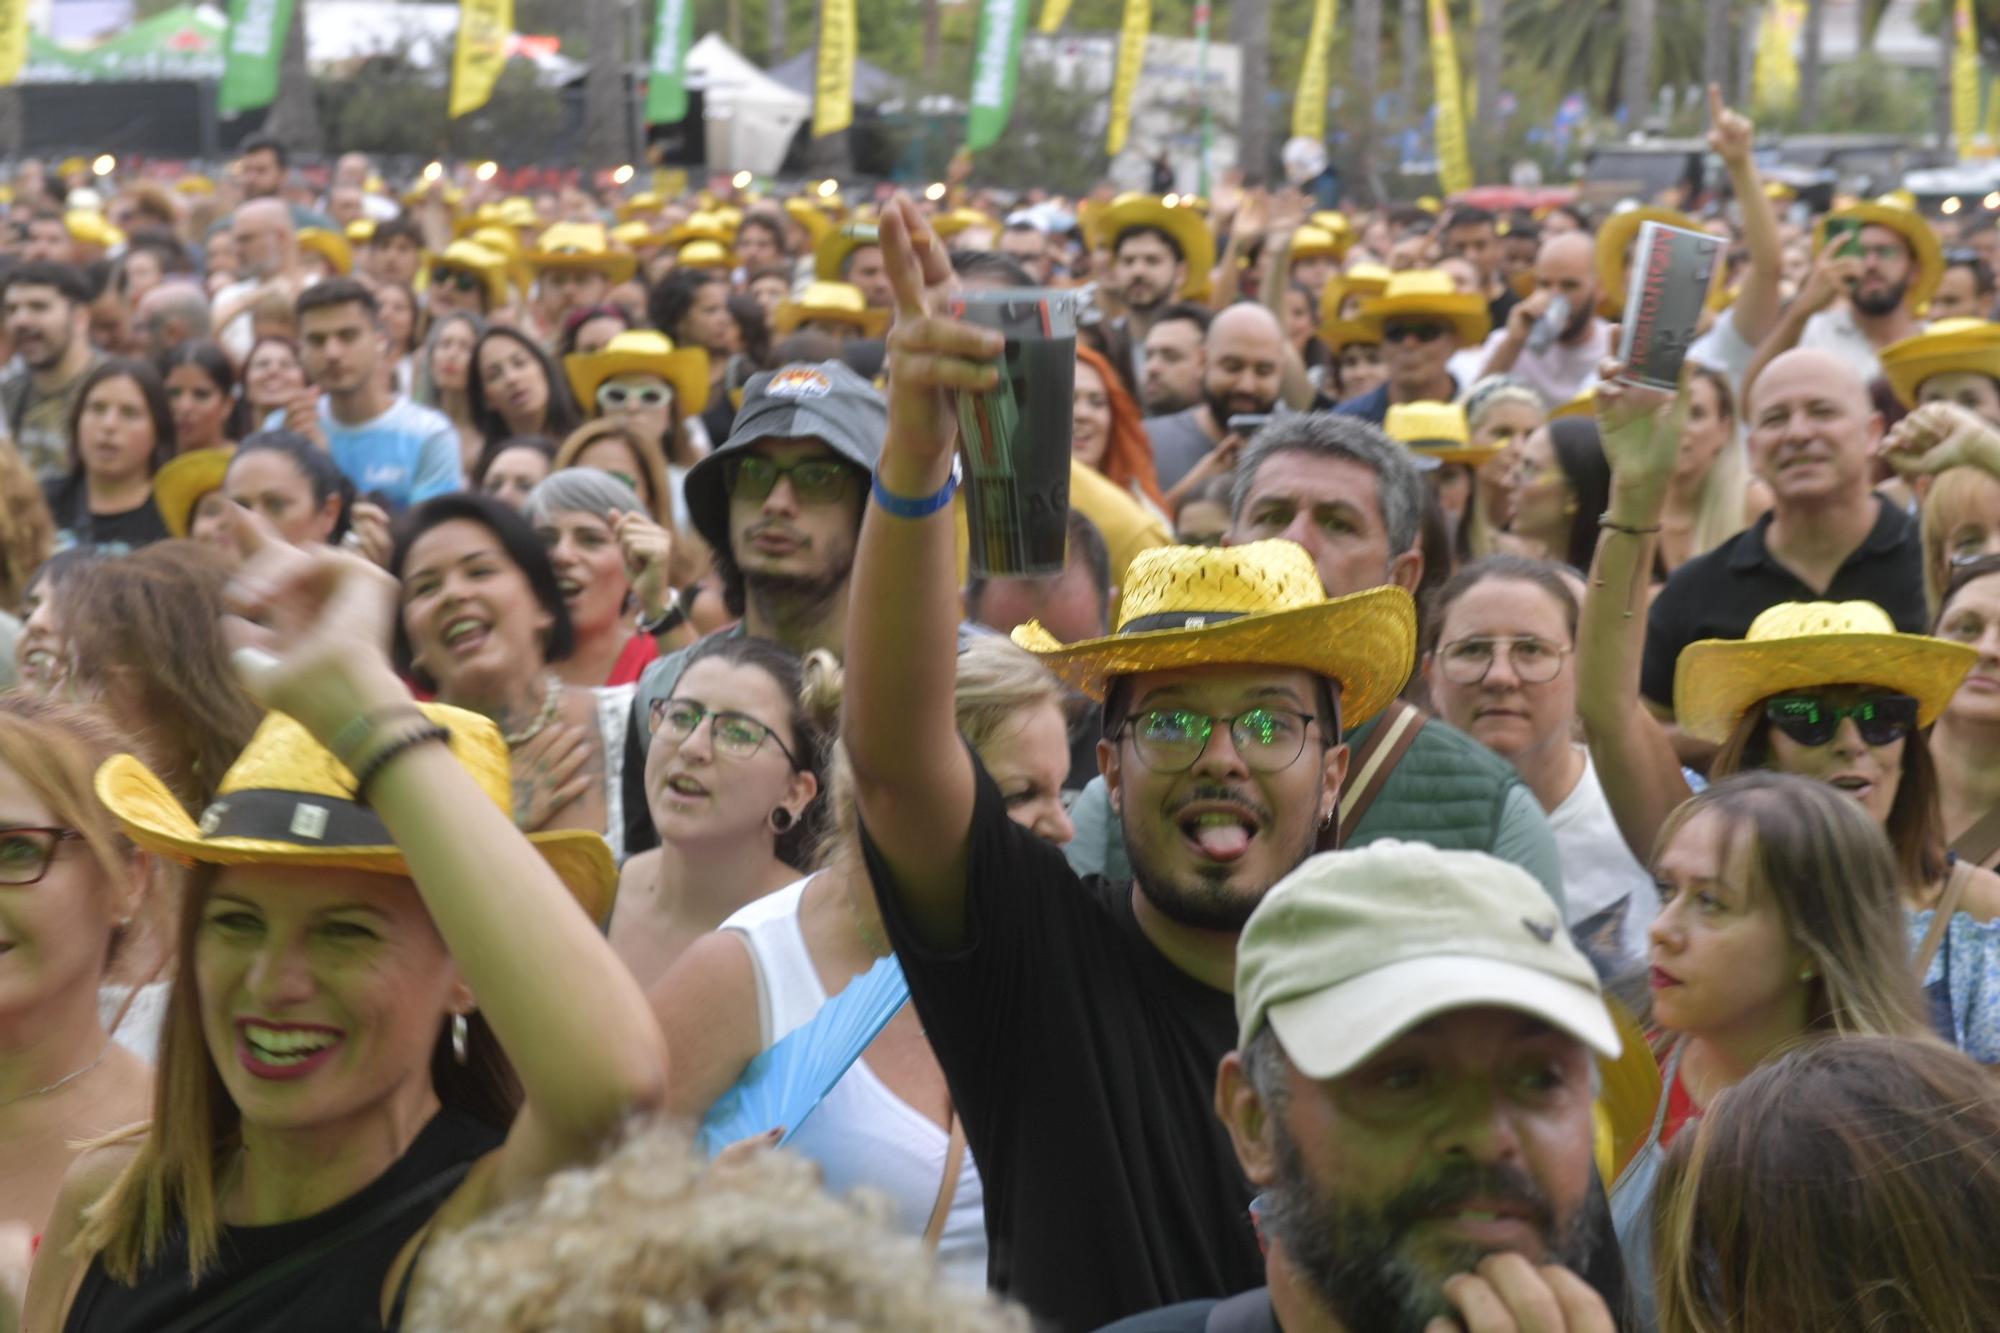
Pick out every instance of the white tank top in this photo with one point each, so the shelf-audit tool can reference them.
(863, 1135)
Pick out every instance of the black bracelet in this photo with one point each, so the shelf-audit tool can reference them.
(670, 619)
(1604, 521)
(408, 741)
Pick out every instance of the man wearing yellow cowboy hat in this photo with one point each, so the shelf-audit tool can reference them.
(853, 254)
(836, 309)
(575, 268)
(1228, 687)
(1867, 287)
(466, 278)
(1421, 320)
(1558, 362)
(1158, 255)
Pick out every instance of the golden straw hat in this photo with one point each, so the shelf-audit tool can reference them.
(831, 254)
(640, 204)
(472, 257)
(809, 215)
(705, 254)
(1801, 645)
(581, 245)
(287, 801)
(841, 302)
(1436, 431)
(1965, 345)
(1583, 405)
(637, 235)
(1890, 211)
(1428, 291)
(360, 231)
(1257, 605)
(642, 352)
(950, 224)
(1339, 333)
(1614, 251)
(701, 227)
(180, 484)
(1184, 223)
(1316, 242)
(1366, 281)
(330, 246)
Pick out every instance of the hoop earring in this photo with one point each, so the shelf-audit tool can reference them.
(458, 1037)
(782, 821)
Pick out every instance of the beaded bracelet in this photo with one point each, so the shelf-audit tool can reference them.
(404, 743)
(348, 743)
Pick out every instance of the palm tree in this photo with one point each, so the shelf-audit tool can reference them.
(1718, 43)
(1250, 29)
(605, 138)
(1809, 63)
(294, 117)
(1579, 46)
(1367, 51)
(1637, 90)
(1486, 58)
(1410, 57)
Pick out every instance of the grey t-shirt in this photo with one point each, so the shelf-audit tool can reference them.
(1179, 443)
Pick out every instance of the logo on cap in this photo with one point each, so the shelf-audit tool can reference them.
(799, 382)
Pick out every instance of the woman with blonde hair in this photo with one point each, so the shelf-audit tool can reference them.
(1965, 742)
(442, 374)
(810, 952)
(1501, 412)
(27, 531)
(1849, 1186)
(1712, 496)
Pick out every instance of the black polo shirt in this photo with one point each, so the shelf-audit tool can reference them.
(1717, 595)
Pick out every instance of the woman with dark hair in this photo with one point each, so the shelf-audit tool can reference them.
(753, 333)
(510, 469)
(442, 378)
(482, 620)
(586, 331)
(294, 484)
(1560, 485)
(516, 389)
(201, 394)
(42, 659)
(691, 306)
(396, 309)
(121, 432)
(273, 379)
(390, 1013)
(1848, 1186)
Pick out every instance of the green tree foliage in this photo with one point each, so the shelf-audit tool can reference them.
(392, 107)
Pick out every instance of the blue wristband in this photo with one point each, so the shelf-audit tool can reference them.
(904, 507)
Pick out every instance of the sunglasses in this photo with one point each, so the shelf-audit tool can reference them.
(814, 480)
(1813, 721)
(612, 397)
(1423, 332)
(463, 279)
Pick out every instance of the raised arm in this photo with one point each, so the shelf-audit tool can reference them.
(1830, 279)
(1940, 436)
(912, 776)
(1733, 137)
(570, 1017)
(1635, 761)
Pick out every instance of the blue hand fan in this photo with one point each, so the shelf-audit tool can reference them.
(783, 1084)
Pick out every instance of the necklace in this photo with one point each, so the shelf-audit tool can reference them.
(68, 1078)
(551, 701)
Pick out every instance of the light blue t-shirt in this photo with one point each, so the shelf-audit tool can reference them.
(408, 454)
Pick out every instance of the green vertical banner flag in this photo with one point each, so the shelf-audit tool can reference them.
(251, 54)
(666, 86)
(995, 64)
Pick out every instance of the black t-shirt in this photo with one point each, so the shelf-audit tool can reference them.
(1716, 595)
(341, 1293)
(1083, 1066)
(110, 533)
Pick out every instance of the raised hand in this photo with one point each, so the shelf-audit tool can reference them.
(368, 532)
(931, 354)
(647, 548)
(1832, 276)
(1640, 429)
(1730, 133)
(1938, 436)
(1507, 1294)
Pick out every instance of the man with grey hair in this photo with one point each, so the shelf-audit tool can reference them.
(172, 313)
(267, 250)
(1354, 499)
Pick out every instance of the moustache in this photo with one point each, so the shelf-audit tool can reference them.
(784, 530)
(1217, 792)
(1461, 1181)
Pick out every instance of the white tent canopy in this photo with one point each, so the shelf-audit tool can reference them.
(750, 117)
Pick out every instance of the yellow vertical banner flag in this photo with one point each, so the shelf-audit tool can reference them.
(1964, 76)
(1993, 119)
(1309, 106)
(1131, 64)
(13, 39)
(1053, 14)
(1454, 160)
(1776, 72)
(484, 29)
(833, 81)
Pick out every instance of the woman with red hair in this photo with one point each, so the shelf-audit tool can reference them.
(1108, 433)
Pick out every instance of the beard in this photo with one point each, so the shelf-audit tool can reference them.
(1202, 898)
(1224, 406)
(1881, 302)
(1358, 1261)
(1580, 320)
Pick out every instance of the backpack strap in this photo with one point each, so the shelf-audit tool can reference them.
(1978, 843)
(1955, 881)
(1394, 734)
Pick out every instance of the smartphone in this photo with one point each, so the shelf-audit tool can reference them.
(1247, 424)
(1848, 232)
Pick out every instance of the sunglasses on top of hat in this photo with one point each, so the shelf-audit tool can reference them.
(814, 480)
(1813, 721)
(1415, 330)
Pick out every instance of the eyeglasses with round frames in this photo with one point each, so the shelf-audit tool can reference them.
(1468, 661)
(1173, 740)
(737, 735)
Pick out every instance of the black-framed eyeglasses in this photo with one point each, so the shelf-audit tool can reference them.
(25, 853)
(1423, 331)
(1173, 740)
(737, 735)
(1813, 721)
(612, 397)
(814, 480)
(1467, 661)
(463, 279)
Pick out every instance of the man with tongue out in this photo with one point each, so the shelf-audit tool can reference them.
(1079, 1022)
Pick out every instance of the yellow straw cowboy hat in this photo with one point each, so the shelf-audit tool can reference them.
(1614, 250)
(1429, 292)
(474, 258)
(810, 216)
(580, 245)
(330, 246)
(360, 231)
(637, 236)
(1583, 405)
(705, 254)
(642, 352)
(1315, 242)
(287, 801)
(506, 242)
(1339, 333)
(950, 224)
(841, 302)
(831, 254)
(1889, 211)
(1366, 281)
(1259, 604)
(701, 227)
(1800, 645)
(1184, 223)
(1436, 431)
(180, 484)
(646, 201)
(1965, 345)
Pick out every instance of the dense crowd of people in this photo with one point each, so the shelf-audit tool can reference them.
(521, 810)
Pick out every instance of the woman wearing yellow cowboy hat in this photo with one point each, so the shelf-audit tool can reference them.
(391, 1011)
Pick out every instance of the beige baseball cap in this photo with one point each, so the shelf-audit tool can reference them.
(1353, 949)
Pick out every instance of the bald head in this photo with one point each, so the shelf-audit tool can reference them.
(265, 242)
(1246, 357)
(1813, 430)
(1827, 374)
(1566, 266)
